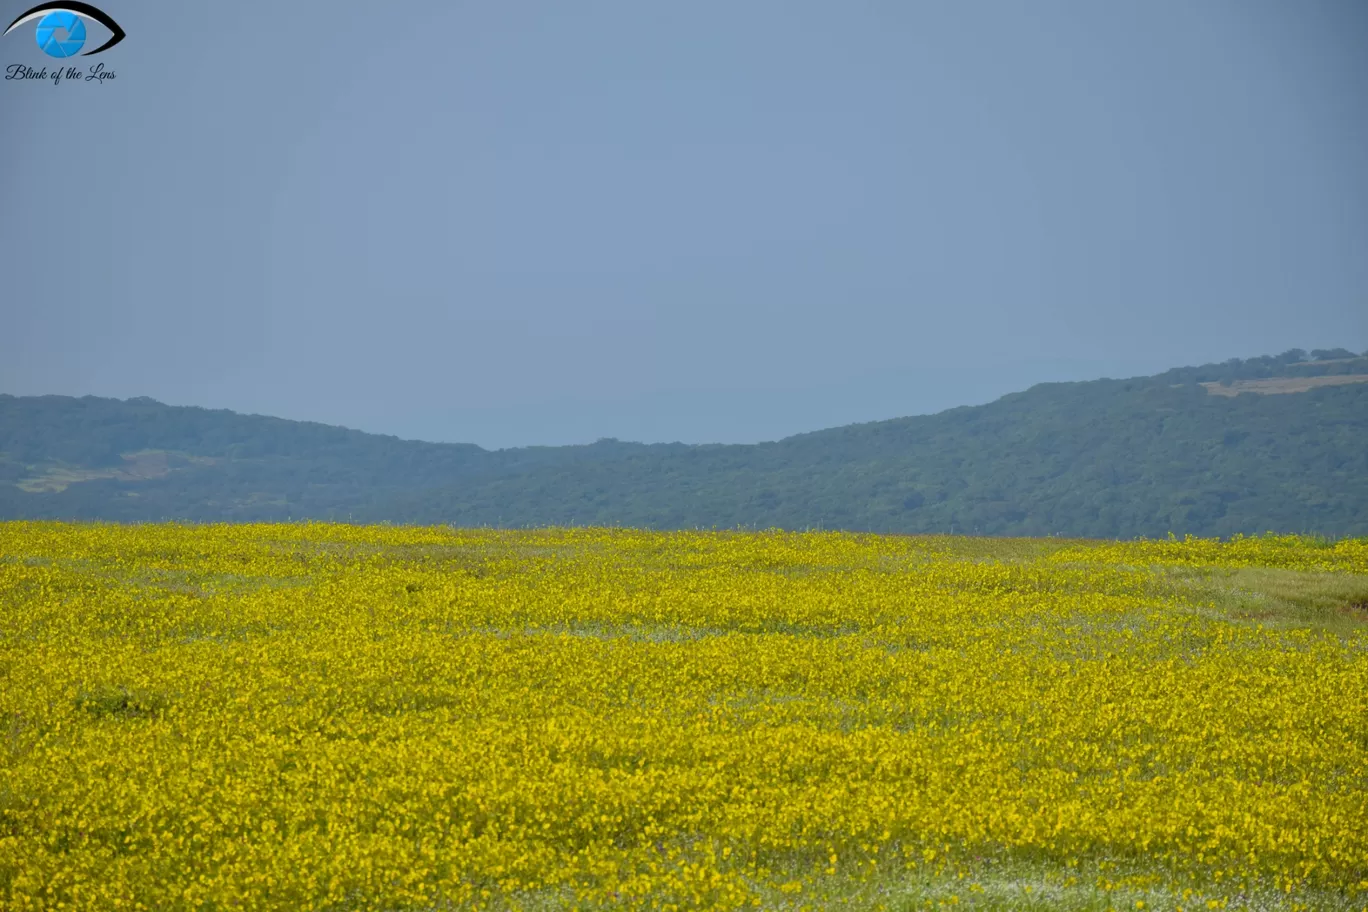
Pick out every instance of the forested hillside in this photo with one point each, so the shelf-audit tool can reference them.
(1212, 450)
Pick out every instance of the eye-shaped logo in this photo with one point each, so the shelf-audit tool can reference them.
(61, 30)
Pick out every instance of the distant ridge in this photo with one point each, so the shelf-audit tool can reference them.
(1274, 443)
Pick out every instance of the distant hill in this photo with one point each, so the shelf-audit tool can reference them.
(1273, 443)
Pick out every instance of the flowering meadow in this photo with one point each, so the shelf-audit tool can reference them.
(318, 716)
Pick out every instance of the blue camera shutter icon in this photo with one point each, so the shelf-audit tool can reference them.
(60, 33)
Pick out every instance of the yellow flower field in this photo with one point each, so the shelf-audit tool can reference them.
(315, 716)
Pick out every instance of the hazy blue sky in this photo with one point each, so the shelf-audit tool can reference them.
(519, 222)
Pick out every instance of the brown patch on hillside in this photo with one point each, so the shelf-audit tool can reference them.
(140, 466)
(1273, 385)
(1334, 361)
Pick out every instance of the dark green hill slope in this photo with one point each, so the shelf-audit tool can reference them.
(1108, 458)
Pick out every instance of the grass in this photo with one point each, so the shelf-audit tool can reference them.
(137, 466)
(1273, 597)
(1277, 385)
